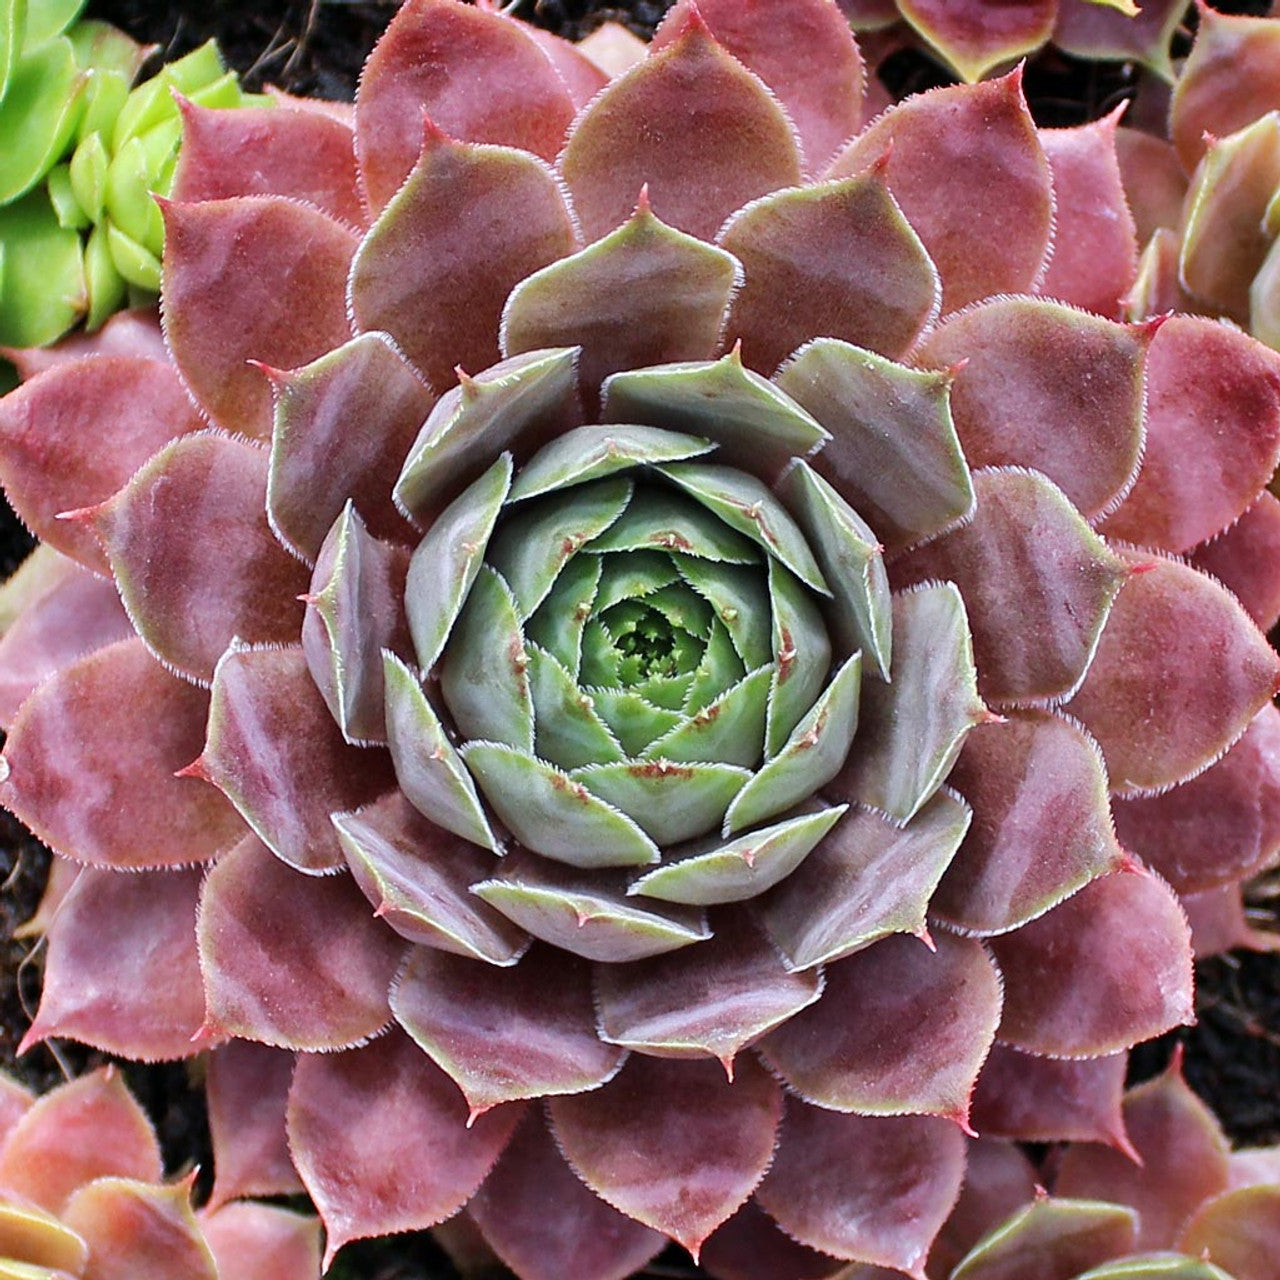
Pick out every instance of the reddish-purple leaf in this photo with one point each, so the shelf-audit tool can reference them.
(1239, 1230)
(232, 269)
(1155, 183)
(581, 74)
(380, 1137)
(262, 924)
(15, 1102)
(262, 1242)
(127, 333)
(1219, 923)
(1246, 559)
(90, 762)
(751, 1246)
(689, 108)
(672, 1144)
(1111, 32)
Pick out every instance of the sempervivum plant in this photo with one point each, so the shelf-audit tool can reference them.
(609, 681)
(82, 1197)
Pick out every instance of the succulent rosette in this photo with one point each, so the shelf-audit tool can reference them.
(83, 1197)
(614, 649)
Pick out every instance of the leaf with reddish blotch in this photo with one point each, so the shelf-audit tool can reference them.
(1033, 1099)
(901, 1029)
(893, 450)
(1222, 826)
(505, 1034)
(689, 108)
(544, 1223)
(127, 333)
(1219, 923)
(1181, 1159)
(132, 988)
(90, 1128)
(751, 1246)
(871, 1189)
(1103, 970)
(247, 1090)
(275, 752)
(292, 261)
(1246, 559)
(711, 1002)
(836, 259)
(1179, 674)
(318, 462)
(268, 151)
(1095, 254)
(1052, 1238)
(77, 613)
(1155, 183)
(1239, 1230)
(672, 1144)
(966, 166)
(1041, 823)
(1195, 483)
(262, 924)
(425, 245)
(380, 1137)
(645, 294)
(72, 436)
(1037, 582)
(1231, 78)
(1105, 30)
(90, 760)
(355, 615)
(866, 880)
(1016, 397)
(187, 593)
(976, 36)
(135, 1229)
(262, 1242)
(478, 76)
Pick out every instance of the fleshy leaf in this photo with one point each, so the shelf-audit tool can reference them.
(801, 652)
(751, 1246)
(505, 1034)
(1246, 560)
(672, 1144)
(688, 108)
(423, 246)
(1112, 30)
(1239, 1230)
(975, 38)
(262, 1242)
(1155, 183)
(729, 729)
(40, 1241)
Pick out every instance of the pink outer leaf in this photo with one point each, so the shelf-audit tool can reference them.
(967, 168)
(672, 1144)
(122, 973)
(874, 1190)
(77, 615)
(15, 1102)
(1107, 968)
(268, 151)
(976, 36)
(480, 78)
(810, 61)
(689, 108)
(546, 1225)
(261, 1242)
(247, 1091)
(1155, 183)
(505, 1033)
(1037, 582)
(836, 259)
(343, 427)
(90, 760)
(380, 1137)
(1179, 674)
(253, 278)
(751, 1246)
(1183, 1156)
(581, 74)
(127, 333)
(1221, 827)
(194, 557)
(1106, 31)
(1239, 1230)
(1041, 823)
(1219, 923)
(1018, 397)
(134, 1230)
(263, 926)
(1231, 79)
(275, 752)
(900, 1030)
(1033, 1099)
(1195, 482)
(425, 272)
(73, 435)
(90, 1128)
(1246, 560)
(1095, 255)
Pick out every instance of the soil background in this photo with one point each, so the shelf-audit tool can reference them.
(316, 47)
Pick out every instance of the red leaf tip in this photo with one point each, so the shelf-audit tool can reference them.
(36, 1034)
(196, 769)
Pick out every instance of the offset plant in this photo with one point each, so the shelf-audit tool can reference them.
(82, 1195)
(618, 683)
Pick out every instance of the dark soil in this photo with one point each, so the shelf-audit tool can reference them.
(316, 47)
